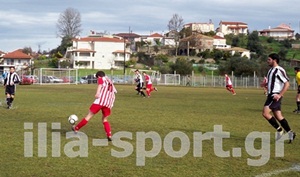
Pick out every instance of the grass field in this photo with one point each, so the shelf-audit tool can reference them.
(172, 109)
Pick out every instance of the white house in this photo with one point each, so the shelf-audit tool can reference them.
(233, 28)
(98, 52)
(17, 58)
(220, 42)
(281, 32)
(200, 27)
(241, 51)
(153, 39)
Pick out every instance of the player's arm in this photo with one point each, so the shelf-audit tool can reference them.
(17, 79)
(100, 82)
(284, 89)
(98, 91)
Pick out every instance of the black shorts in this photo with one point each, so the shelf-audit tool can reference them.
(10, 89)
(273, 104)
(140, 85)
(298, 91)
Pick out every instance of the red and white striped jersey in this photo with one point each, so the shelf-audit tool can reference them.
(107, 92)
(148, 79)
(228, 80)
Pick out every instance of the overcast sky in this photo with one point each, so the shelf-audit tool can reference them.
(30, 23)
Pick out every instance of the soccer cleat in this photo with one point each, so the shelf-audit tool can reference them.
(296, 111)
(234, 94)
(73, 129)
(292, 136)
(155, 88)
(279, 135)
(109, 138)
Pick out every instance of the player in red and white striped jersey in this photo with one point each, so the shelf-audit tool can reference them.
(228, 85)
(149, 87)
(105, 97)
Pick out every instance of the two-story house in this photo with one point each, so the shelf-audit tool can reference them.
(200, 27)
(233, 28)
(17, 58)
(220, 41)
(98, 52)
(196, 42)
(153, 39)
(280, 32)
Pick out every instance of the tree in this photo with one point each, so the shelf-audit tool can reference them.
(182, 66)
(69, 23)
(254, 44)
(175, 24)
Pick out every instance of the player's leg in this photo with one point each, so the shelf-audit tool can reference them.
(285, 125)
(298, 101)
(105, 114)
(141, 89)
(94, 109)
(137, 89)
(269, 106)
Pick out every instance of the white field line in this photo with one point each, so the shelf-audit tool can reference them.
(276, 172)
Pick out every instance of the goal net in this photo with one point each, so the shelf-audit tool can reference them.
(56, 76)
(169, 79)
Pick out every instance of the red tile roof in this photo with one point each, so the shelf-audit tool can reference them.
(84, 50)
(218, 37)
(233, 23)
(17, 54)
(156, 35)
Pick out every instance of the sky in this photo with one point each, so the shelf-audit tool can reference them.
(32, 23)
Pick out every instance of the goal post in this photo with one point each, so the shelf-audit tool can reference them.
(170, 79)
(56, 76)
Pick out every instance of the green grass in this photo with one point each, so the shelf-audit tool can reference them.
(183, 109)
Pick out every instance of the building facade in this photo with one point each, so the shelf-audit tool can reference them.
(281, 32)
(235, 28)
(17, 58)
(99, 52)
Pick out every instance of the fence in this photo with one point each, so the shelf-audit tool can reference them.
(71, 76)
(200, 81)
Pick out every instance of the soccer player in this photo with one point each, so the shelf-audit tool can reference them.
(149, 87)
(140, 83)
(105, 97)
(10, 81)
(264, 86)
(278, 84)
(297, 72)
(228, 85)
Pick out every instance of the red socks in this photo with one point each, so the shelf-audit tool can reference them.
(107, 129)
(106, 125)
(82, 123)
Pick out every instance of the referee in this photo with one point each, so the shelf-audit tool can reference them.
(11, 79)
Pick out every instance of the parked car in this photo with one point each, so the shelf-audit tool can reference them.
(45, 79)
(91, 79)
(54, 79)
(83, 80)
(68, 79)
(34, 78)
(26, 80)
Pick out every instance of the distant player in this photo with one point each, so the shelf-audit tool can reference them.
(105, 97)
(264, 86)
(140, 83)
(12, 78)
(228, 84)
(297, 73)
(149, 87)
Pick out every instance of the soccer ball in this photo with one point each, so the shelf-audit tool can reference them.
(72, 119)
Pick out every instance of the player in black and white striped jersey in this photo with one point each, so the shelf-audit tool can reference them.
(10, 82)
